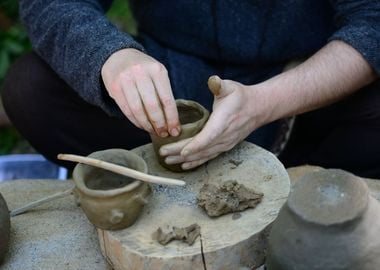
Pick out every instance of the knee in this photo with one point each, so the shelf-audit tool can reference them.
(368, 101)
(23, 84)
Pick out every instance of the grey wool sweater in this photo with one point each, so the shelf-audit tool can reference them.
(246, 40)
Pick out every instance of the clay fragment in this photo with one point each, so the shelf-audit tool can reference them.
(235, 163)
(229, 197)
(187, 234)
(236, 216)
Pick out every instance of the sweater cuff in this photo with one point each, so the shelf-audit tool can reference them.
(365, 39)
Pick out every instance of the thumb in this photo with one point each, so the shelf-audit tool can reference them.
(219, 87)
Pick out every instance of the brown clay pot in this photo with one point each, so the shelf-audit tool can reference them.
(329, 222)
(109, 200)
(5, 225)
(192, 117)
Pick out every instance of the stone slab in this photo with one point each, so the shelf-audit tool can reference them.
(56, 235)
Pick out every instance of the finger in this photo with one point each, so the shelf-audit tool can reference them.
(174, 149)
(196, 163)
(165, 93)
(152, 105)
(127, 111)
(174, 159)
(122, 103)
(210, 151)
(135, 105)
(212, 130)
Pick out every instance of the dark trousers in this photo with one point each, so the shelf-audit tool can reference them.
(54, 119)
(344, 135)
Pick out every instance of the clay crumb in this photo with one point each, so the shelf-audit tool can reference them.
(236, 216)
(235, 163)
(228, 197)
(187, 234)
(268, 177)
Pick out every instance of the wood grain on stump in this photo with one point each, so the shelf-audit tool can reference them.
(226, 242)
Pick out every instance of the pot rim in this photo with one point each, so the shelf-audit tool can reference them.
(329, 197)
(81, 187)
(192, 103)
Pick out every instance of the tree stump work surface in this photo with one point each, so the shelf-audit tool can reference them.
(227, 242)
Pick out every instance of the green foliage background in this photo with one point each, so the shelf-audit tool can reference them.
(14, 42)
(13, 39)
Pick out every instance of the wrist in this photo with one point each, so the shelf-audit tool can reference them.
(261, 104)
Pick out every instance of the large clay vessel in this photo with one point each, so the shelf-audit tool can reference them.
(5, 225)
(329, 222)
(192, 117)
(111, 201)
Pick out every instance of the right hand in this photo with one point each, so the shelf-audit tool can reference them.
(140, 86)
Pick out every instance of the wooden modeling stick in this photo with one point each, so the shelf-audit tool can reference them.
(121, 170)
(41, 201)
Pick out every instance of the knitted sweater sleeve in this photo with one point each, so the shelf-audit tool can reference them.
(358, 24)
(75, 39)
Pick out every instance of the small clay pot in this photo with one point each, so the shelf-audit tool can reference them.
(329, 222)
(5, 225)
(111, 201)
(192, 117)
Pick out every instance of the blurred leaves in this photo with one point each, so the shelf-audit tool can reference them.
(13, 39)
(13, 43)
(120, 14)
(10, 8)
(9, 139)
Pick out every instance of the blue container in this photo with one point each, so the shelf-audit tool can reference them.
(29, 166)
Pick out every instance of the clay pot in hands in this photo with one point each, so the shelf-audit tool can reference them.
(5, 225)
(329, 222)
(111, 201)
(192, 117)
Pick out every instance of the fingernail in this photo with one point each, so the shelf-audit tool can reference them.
(164, 134)
(185, 166)
(172, 160)
(174, 132)
(185, 152)
(163, 152)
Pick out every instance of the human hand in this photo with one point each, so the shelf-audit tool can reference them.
(230, 122)
(140, 86)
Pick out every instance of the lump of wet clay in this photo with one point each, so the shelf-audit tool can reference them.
(229, 197)
(187, 234)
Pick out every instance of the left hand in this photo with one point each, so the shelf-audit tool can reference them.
(230, 122)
